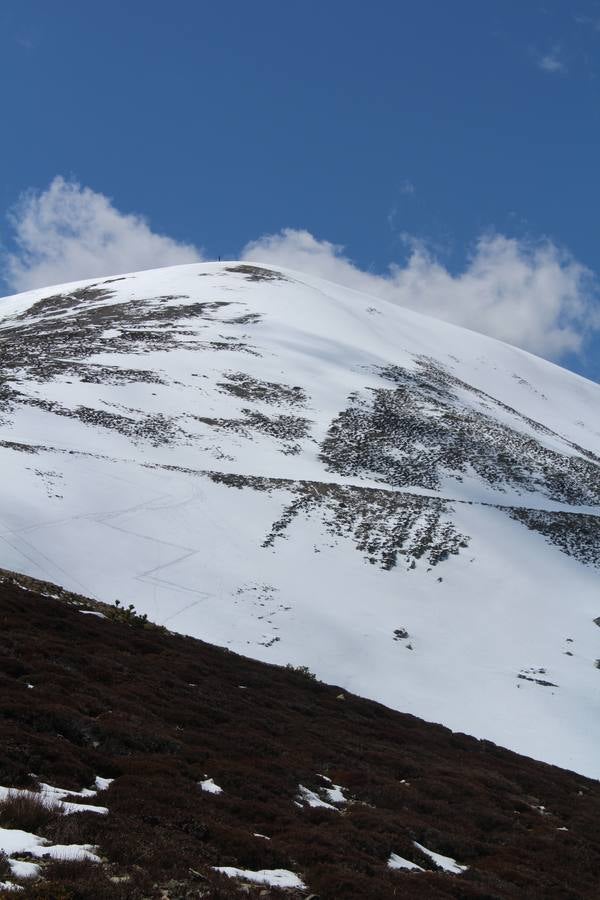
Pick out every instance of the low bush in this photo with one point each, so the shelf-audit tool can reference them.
(302, 670)
(76, 828)
(128, 615)
(4, 866)
(27, 811)
(86, 880)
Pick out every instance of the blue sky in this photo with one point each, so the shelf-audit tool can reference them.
(411, 133)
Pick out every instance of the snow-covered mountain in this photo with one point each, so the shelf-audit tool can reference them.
(309, 475)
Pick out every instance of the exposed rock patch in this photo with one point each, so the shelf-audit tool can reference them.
(576, 534)
(422, 430)
(244, 386)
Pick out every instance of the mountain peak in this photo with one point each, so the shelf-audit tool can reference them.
(310, 475)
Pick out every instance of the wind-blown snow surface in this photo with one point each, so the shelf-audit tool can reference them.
(309, 475)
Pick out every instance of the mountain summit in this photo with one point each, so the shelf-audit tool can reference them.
(308, 475)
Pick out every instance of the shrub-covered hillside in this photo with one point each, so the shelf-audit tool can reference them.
(206, 774)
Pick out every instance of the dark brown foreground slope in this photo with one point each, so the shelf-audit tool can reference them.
(159, 712)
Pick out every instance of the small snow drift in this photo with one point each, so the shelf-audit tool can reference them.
(209, 786)
(281, 878)
(398, 862)
(14, 842)
(312, 799)
(54, 798)
(443, 862)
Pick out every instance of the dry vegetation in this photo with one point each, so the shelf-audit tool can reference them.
(159, 713)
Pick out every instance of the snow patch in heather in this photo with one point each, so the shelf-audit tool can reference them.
(281, 878)
(53, 797)
(335, 794)
(398, 862)
(444, 862)
(23, 869)
(102, 784)
(310, 798)
(15, 842)
(209, 786)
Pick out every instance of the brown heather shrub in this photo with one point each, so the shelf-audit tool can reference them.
(81, 870)
(28, 812)
(45, 891)
(76, 828)
(4, 866)
(86, 880)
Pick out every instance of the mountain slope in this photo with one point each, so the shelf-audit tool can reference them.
(211, 760)
(305, 474)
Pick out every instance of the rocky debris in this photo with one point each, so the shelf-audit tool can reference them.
(256, 273)
(244, 386)
(284, 428)
(385, 526)
(431, 425)
(59, 335)
(576, 534)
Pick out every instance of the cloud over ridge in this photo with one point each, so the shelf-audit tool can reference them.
(532, 294)
(69, 232)
(529, 293)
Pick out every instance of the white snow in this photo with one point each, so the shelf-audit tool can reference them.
(209, 786)
(281, 878)
(444, 862)
(310, 798)
(21, 869)
(50, 790)
(14, 842)
(398, 862)
(335, 794)
(189, 553)
(54, 798)
(102, 784)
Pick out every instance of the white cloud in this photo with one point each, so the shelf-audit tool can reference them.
(589, 21)
(69, 232)
(552, 63)
(533, 295)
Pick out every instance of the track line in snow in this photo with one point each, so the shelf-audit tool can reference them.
(282, 482)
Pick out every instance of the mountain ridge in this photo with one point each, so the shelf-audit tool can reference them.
(248, 429)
